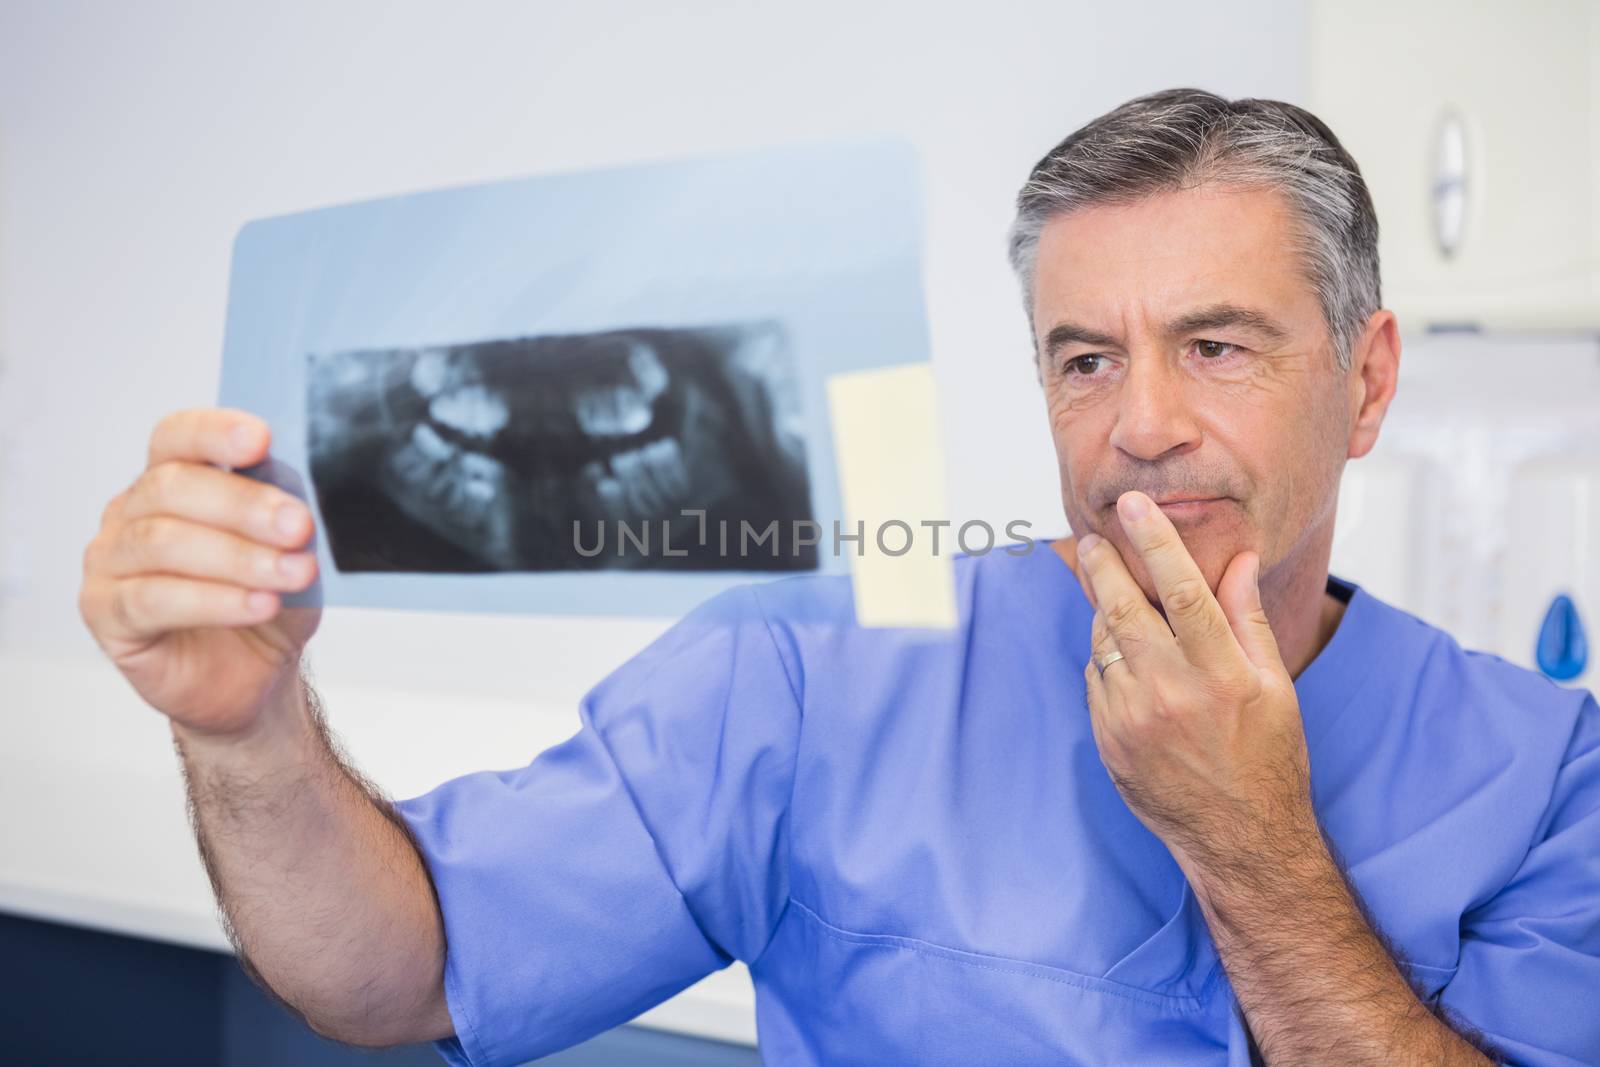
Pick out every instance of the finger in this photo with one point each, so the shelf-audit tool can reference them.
(1105, 704)
(1128, 615)
(227, 501)
(1192, 611)
(112, 512)
(162, 544)
(226, 437)
(148, 606)
(1067, 549)
(1094, 691)
(1118, 673)
(1239, 593)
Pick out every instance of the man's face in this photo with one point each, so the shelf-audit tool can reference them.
(1183, 353)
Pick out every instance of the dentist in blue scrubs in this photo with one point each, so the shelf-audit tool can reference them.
(1170, 793)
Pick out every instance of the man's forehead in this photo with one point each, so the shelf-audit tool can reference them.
(1183, 255)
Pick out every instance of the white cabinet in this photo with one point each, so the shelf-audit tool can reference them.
(1477, 127)
(1480, 505)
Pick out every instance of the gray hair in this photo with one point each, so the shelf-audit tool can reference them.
(1181, 138)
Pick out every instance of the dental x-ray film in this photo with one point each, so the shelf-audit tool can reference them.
(595, 393)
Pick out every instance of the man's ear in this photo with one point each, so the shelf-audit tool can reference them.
(1373, 376)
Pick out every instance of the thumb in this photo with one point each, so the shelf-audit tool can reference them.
(1239, 593)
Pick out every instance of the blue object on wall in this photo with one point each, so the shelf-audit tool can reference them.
(1562, 650)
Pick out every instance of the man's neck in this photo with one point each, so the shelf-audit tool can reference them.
(1302, 612)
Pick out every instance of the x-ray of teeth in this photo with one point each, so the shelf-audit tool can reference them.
(622, 449)
(505, 397)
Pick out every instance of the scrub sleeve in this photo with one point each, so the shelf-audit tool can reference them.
(626, 863)
(1529, 971)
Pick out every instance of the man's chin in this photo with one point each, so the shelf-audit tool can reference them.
(1212, 531)
(1211, 549)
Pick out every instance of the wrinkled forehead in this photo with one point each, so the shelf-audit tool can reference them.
(1125, 269)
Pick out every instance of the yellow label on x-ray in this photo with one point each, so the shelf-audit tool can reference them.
(891, 475)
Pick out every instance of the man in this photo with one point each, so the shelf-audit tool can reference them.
(1168, 794)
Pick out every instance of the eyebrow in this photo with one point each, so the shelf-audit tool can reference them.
(1210, 317)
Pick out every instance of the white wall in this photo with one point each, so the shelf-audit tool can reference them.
(136, 138)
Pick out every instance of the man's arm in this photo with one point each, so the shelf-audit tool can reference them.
(1316, 982)
(322, 891)
(182, 589)
(1199, 727)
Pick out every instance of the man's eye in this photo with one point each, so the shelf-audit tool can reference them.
(1214, 349)
(1083, 364)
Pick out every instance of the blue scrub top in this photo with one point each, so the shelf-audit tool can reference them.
(913, 844)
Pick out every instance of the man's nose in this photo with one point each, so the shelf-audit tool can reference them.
(1153, 416)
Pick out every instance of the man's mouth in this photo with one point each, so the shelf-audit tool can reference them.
(499, 448)
(1186, 505)
(1192, 512)
(1185, 508)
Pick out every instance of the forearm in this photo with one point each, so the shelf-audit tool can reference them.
(324, 895)
(1316, 983)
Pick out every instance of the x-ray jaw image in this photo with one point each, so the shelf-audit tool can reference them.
(557, 452)
(456, 378)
